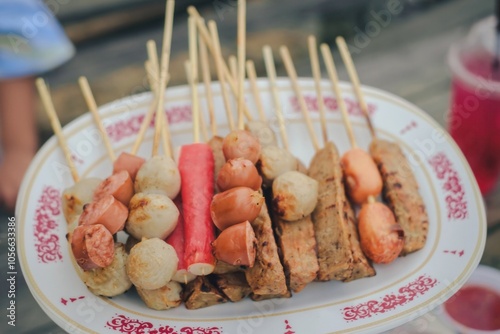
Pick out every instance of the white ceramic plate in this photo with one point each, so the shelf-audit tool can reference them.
(399, 292)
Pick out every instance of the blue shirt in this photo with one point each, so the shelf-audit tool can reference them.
(31, 39)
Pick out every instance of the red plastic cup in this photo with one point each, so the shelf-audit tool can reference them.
(474, 118)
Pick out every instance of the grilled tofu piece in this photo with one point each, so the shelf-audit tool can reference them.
(401, 193)
(258, 298)
(201, 293)
(298, 251)
(266, 277)
(233, 285)
(222, 267)
(331, 227)
(361, 265)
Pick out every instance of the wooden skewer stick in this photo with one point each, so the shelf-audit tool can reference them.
(218, 64)
(316, 71)
(252, 77)
(196, 124)
(193, 77)
(353, 75)
(91, 104)
(290, 68)
(153, 78)
(241, 44)
(332, 73)
(165, 58)
(271, 74)
(233, 66)
(205, 71)
(145, 124)
(48, 105)
(205, 34)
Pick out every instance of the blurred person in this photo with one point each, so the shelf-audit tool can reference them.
(31, 42)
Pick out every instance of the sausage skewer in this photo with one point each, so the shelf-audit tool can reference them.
(380, 236)
(362, 177)
(87, 237)
(400, 187)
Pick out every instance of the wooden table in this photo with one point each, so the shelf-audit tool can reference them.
(407, 58)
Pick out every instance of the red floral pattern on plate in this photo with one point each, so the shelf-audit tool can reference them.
(330, 104)
(124, 324)
(46, 240)
(391, 301)
(70, 300)
(130, 126)
(288, 328)
(454, 252)
(411, 125)
(452, 186)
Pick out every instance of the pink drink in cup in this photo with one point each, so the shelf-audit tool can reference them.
(474, 119)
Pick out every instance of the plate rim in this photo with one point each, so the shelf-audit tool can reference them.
(346, 87)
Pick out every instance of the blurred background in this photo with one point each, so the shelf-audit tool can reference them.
(398, 45)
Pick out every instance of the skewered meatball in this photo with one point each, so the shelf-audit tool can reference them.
(275, 161)
(151, 264)
(294, 195)
(76, 196)
(158, 175)
(151, 216)
(111, 280)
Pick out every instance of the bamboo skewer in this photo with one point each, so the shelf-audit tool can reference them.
(233, 66)
(290, 68)
(192, 76)
(252, 77)
(205, 71)
(153, 77)
(225, 72)
(353, 75)
(165, 58)
(144, 126)
(316, 71)
(218, 64)
(91, 104)
(56, 125)
(271, 74)
(241, 43)
(332, 73)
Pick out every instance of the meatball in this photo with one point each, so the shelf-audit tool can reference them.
(151, 216)
(76, 196)
(151, 264)
(275, 161)
(158, 175)
(295, 195)
(111, 280)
